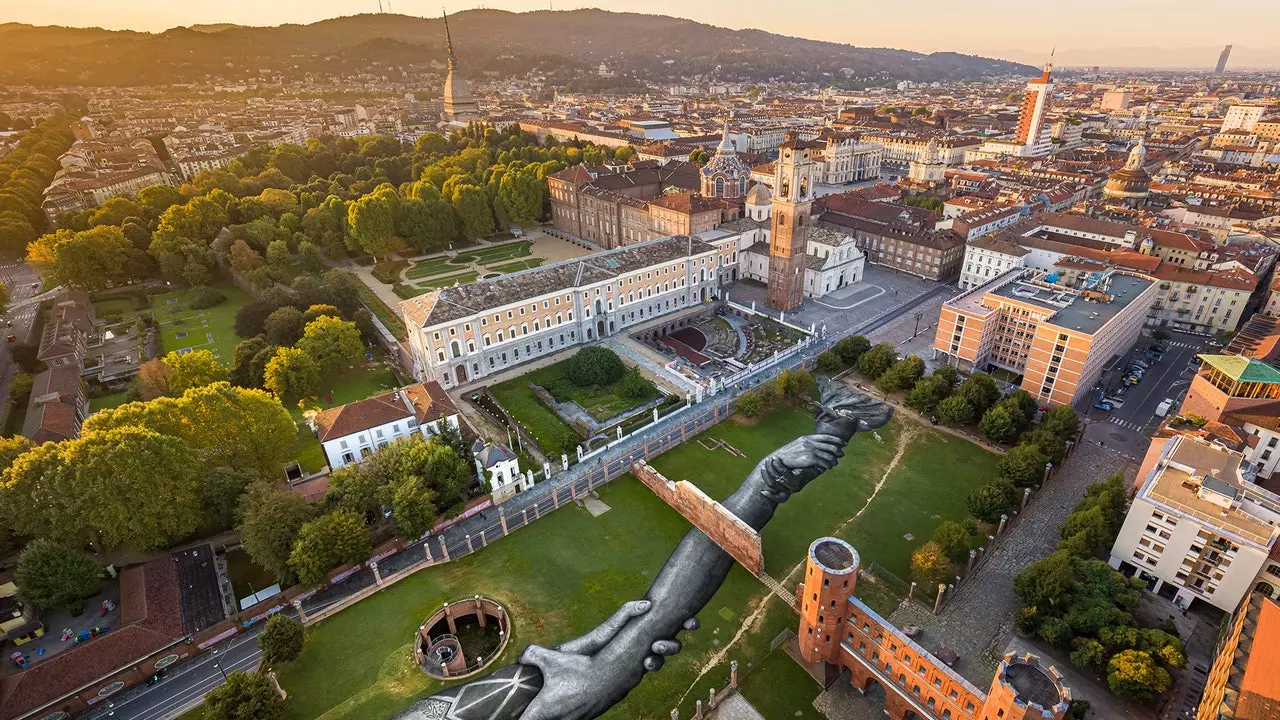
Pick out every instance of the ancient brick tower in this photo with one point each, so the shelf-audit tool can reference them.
(829, 578)
(793, 178)
(839, 634)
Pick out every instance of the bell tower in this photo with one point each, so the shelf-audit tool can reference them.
(794, 173)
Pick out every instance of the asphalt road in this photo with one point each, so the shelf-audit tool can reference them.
(1128, 429)
(23, 284)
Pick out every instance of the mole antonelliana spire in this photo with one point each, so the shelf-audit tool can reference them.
(460, 107)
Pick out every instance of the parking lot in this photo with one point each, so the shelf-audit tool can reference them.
(1127, 429)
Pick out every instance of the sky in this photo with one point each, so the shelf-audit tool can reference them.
(1157, 33)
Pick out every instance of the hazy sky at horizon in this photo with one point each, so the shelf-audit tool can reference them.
(1163, 32)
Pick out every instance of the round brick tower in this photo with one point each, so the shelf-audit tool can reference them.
(829, 577)
(1025, 689)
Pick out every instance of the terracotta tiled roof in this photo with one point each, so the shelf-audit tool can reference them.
(150, 617)
(424, 402)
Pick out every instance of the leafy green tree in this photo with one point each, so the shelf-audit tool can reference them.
(594, 365)
(311, 259)
(243, 258)
(1087, 653)
(953, 540)
(244, 696)
(1047, 443)
(980, 391)
(1023, 466)
(877, 361)
(1085, 532)
(1134, 675)
(1047, 583)
(54, 576)
(226, 426)
(988, 502)
(927, 393)
(413, 507)
(1062, 421)
(270, 519)
(521, 197)
(280, 640)
(829, 363)
(16, 233)
(902, 376)
(929, 565)
(332, 342)
(291, 374)
(372, 223)
(284, 326)
(956, 411)
(851, 348)
(796, 384)
(998, 425)
(634, 385)
(220, 496)
(475, 219)
(155, 199)
(749, 404)
(114, 212)
(192, 370)
(330, 540)
(241, 362)
(90, 260)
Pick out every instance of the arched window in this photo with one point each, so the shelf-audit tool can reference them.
(719, 187)
(742, 185)
(782, 219)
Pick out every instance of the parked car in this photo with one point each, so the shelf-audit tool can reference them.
(1104, 406)
(1115, 402)
(1195, 360)
(10, 337)
(1120, 392)
(1140, 364)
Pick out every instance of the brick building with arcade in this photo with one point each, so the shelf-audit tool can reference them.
(839, 633)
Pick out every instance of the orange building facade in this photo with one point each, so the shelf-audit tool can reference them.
(1058, 339)
(840, 632)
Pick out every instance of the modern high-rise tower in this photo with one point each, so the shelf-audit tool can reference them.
(1035, 107)
(1222, 61)
(794, 174)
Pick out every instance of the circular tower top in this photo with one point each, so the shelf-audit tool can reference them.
(833, 556)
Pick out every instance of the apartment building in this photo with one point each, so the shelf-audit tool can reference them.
(1058, 339)
(1199, 527)
(1242, 684)
(458, 335)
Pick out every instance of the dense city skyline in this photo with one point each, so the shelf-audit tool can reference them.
(1130, 36)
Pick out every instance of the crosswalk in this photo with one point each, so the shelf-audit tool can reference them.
(1179, 344)
(1124, 423)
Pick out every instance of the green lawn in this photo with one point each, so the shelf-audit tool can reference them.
(602, 402)
(496, 253)
(114, 306)
(108, 401)
(308, 451)
(461, 278)
(365, 380)
(780, 689)
(196, 326)
(429, 267)
(516, 266)
(560, 576)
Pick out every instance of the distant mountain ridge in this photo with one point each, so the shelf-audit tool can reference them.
(654, 47)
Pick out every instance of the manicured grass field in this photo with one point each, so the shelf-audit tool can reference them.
(365, 380)
(308, 451)
(496, 253)
(780, 689)
(552, 434)
(429, 267)
(174, 317)
(561, 576)
(516, 266)
(446, 280)
(114, 306)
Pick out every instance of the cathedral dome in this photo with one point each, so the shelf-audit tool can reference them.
(759, 195)
(725, 174)
(1132, 183)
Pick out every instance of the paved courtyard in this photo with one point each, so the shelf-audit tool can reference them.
(851, 308)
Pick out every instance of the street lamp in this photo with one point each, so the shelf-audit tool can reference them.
(224, 672)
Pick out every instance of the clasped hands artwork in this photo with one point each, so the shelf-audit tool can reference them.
(583, 678)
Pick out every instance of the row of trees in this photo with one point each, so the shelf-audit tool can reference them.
(25, 172)
(252, 695)
(1075, 600)
(273, 212)
(789, 386)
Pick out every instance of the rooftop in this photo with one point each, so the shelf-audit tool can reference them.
(1243, 369)
(1084, 311)
(1210, 483)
